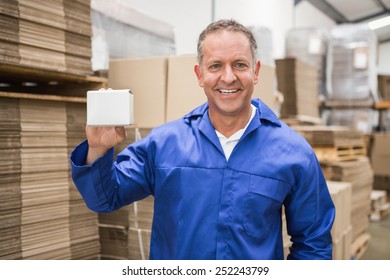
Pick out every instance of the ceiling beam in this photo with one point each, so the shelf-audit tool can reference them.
(328, 10)
(384, 40)
(380, 3)
(367, 18)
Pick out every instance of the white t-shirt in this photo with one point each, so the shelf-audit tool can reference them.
(228, 144)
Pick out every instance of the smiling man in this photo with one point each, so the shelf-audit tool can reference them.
(221, 174)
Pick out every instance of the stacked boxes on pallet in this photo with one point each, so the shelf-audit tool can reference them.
(342, 155)
(359, 173)
(298, 81)
(380, 159)
(310, 46)
(341, 193)
(351, 78)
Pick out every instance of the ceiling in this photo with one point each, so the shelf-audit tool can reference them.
(355, 11)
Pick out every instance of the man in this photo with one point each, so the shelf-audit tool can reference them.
(221, 174)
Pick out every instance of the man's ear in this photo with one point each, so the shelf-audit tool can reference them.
(198, 73)
(257, 71)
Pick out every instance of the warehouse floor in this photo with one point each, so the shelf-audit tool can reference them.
(379, 245)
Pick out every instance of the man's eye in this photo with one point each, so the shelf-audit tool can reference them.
(240, 65)
(215, 66)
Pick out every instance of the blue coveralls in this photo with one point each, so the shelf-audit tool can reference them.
(209, 208)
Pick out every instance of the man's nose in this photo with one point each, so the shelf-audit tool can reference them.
(228, 76)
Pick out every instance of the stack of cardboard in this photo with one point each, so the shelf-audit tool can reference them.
(352, 77)
(358, 172)
(310, 45)
(298, 81)
(349, 76)
(341, 193)
(78, 34)
(83, 223)
(10, 168)
(380, 159)
(334, 143)
(9, 33)
(54, 35)
(140, 224)
(341, 152)
(125, 233)
(44, 180)
(384, 86)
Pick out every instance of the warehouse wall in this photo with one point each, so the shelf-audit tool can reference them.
(190, 17)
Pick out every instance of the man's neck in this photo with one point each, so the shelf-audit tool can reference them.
(228, 125)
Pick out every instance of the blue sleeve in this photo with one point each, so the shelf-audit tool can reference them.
(106, 185)
(310, 214)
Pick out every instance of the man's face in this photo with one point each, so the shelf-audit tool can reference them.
(227, 73)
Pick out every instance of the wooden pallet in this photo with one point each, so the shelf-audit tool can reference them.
(340, 152)
(360, 246)
(379, 213)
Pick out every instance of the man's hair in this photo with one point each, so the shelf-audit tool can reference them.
(228, 25)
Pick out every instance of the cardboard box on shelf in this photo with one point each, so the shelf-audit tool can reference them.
(147, 80)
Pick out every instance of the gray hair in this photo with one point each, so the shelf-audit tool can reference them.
(228, 25)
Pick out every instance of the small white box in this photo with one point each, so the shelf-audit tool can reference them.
(110, 107)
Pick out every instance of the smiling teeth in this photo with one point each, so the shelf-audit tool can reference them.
(228, 91)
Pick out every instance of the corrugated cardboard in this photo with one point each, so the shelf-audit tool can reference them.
(384, 86)
(341, 193)
(380, 155)
(147, 80)
(183, 92)
(266, 87)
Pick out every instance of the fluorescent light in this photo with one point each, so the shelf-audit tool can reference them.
(379, 23)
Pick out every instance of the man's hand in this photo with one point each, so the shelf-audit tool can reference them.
(101, 139)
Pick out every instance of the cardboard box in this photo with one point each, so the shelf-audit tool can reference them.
(266, 87)
(110, 108)
(341, 193)
(380, 154)
(384, 86)
(183, 92)
(147, 80)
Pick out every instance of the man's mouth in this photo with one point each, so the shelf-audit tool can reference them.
(228, 91)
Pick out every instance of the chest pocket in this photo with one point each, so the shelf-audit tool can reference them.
(264, 200)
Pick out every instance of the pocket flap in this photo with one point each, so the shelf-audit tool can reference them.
(269, 187)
